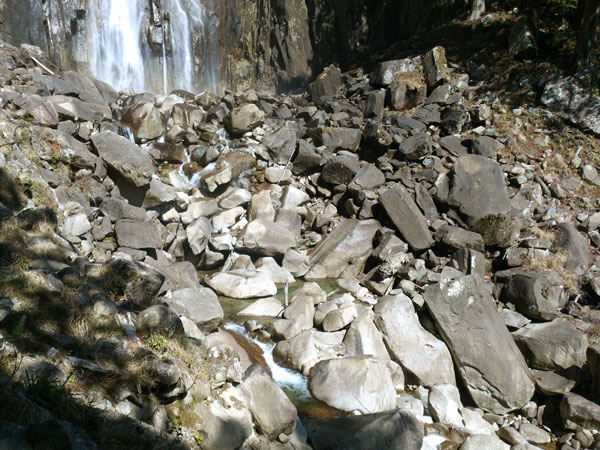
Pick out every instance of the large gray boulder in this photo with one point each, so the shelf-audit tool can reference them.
(341, 169)
(407, 218)
(271, 409)
(552, 345)
(477, 193)
(578, 412)
(267, 238)
(363, 338)
(145, 121)
(327, 83)
(133, 163)
(489, 362)
(536, 295)
(200, 305)
(360, 383)
(138, 235)
(344, 251)
(425, 359)
(243, 119)
(571, 243)
(198, 233)
(572, 103)
(386, 72)
(387, 430)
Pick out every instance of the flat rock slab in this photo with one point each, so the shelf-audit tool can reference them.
(266, 238)
(344, 251)
(407, 218)
(487, 358)
(127, 158)
(138, 235)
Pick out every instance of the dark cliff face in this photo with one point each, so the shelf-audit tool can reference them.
(274, 44)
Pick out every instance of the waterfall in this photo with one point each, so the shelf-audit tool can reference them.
(120, 52)
(115, 43)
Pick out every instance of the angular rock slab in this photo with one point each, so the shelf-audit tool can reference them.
(388, 430)
(360, 383)
(200, 305)
(133, 163)
(265, 238)
(344, 251)
(425, 359)
(552, 345)
(487, 358)
(407, 218)
(477, 192)
(138, 235)
(243, 283)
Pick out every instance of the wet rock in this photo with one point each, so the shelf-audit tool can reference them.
(394, 429)
(128, 159)
(272, 411)
(521, 40)
(488, 360)
(407, 218)
(244, 283)
(478, 194)
(200, 305)
(344, 251)
(145, 121)
(410, 345)
(552, 345)
(359, 383)
(243, 119)
(266, 238)
(327, 83)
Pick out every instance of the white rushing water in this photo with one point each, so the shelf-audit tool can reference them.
(114, 43)
(119, 52)
(286, 378)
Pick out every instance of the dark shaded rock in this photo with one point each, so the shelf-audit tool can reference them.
(477, 192)
(407, 218)
(160, 318)
(391, 430)
(416, 147)
(536, 295)
(435, 68)
(327, 83)
(486, 146)
(340, 169)
(306, 158)
(521, 39)
(574, 246)
(454, 119)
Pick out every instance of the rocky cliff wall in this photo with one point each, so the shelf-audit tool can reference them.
(275, 44)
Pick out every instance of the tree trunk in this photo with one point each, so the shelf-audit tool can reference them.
(587, 32)
(478, 9)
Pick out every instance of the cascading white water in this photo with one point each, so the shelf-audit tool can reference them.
(114, 42)
(285, 378)
(119, 52)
